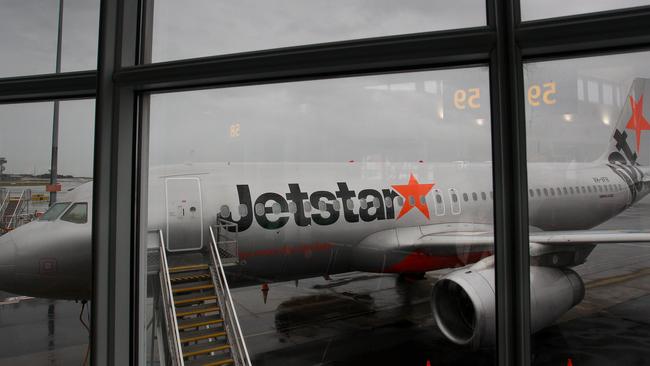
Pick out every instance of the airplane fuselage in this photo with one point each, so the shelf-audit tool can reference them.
(299, 220)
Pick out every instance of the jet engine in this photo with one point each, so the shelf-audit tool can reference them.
(464, 302)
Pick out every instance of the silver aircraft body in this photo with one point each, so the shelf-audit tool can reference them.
(298, 220)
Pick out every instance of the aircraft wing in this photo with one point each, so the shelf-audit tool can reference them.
(574, 237)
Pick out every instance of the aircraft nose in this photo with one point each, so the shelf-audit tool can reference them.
(7, 263)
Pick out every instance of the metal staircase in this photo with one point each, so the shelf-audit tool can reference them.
(202, 326)
(13, 208)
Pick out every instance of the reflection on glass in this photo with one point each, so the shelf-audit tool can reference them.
(534, 9)
(207, 27)
(28, 34)
(334, 207)
(45, 265)
(55, 211)
(588, 152)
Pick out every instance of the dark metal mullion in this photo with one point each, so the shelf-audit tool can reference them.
(436, 49)
(115, 196)
(71, 85)
(510, 187)
(579, 34)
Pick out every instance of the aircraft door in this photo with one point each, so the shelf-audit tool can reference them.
(184, 214)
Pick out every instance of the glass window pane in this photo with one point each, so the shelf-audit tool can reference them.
(77, 214)
(207, 27)
(46, 263)
(28, 34)
(336, 272)
(586, 294)
(536, 9)
(54, 211)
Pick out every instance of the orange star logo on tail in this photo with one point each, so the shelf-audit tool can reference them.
(637, 122)
(414, 196)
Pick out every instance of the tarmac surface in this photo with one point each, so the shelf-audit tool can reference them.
(368, 319)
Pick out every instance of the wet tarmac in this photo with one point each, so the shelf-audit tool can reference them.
(367, 319)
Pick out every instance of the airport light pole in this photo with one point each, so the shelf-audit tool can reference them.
(54, 170)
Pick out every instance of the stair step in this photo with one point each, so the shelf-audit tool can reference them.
(189, 276)
(216, 360)
(192, 298)
(197, 309)
(197, 335)
(188, 268)
(192, 286)
(199, 321)
(203, 348)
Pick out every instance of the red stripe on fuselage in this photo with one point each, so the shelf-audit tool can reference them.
(418, 262)
(287, 250)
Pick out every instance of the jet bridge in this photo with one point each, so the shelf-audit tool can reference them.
(199, 324)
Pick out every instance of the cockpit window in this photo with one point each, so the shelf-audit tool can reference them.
(55, 211)
(77, 214)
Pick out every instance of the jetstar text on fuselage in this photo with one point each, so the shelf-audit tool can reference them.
(273, 210)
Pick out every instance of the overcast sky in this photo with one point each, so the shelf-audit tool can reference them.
(409, 116)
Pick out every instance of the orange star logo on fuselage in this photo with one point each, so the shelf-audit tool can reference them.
(414, 195)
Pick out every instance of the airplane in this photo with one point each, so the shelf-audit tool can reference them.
(300, 220)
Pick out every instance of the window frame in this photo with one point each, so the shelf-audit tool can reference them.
(121, 143)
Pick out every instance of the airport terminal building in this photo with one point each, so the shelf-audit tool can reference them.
(315, 183)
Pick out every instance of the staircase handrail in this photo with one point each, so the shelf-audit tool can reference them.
(222, 285)
(4, 202)
(170, 311)
(12, 219)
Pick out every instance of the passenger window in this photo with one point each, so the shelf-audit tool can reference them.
(571, 190)
(589, 189)
(243, 209)
(77, 214)
(276, 209)
(322, 205)
(483, 196)
(438, 199)
(531, 193)
(377, 203)
(363, 203)
(54, 212)
(474, 196)
(400, 201)
(388, 202)
(454, 198)
(565, 190)
(337, 205)
(465, 197)
(350, 204)
(307, 205)
(552, 191)
(412, 200)
(224, 211)
(583, 189)
(491, 195)
(292, 207)
(539, 192)
(545, 192)
(259, 209)
(600, 188)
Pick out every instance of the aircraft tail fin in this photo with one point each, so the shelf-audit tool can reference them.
(626, 146)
